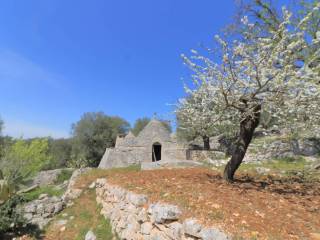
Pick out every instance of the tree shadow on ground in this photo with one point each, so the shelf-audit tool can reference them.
(293, 185)
(31, 230)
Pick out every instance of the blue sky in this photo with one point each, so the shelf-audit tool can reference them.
(59, 59)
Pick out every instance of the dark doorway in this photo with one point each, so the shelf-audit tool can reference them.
(156, 152)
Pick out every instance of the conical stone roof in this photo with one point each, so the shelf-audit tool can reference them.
(154, 129)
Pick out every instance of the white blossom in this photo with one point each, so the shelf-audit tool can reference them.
(258, 70)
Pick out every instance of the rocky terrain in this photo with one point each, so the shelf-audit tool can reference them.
(278, 183)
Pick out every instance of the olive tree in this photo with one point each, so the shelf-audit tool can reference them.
(92, 134)
(261, 72)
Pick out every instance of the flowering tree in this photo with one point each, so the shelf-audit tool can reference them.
(196, 114)
(261, 72)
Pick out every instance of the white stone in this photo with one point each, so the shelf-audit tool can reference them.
(146, 228)
(137, 199)
(160, 213)
(43, 196)
(213, 234)
(92, 185)
(192, 227)
(90, 236)
(176, 228)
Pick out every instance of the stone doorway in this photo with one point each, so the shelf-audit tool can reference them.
(156, 152)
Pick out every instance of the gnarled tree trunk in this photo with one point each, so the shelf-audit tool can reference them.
(247, 128)
(206, 143)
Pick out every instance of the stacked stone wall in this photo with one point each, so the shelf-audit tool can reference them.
(133, 217)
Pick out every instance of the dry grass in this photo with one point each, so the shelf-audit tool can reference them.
(253, 207)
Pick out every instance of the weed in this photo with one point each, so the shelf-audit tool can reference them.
(50, 190)
(63, 176)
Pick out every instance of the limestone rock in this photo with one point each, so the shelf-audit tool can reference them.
(146, 228)
(90, 236)
(176, 229)
(192, 227)
(262, 170)
(43, 196)
(49, 177)
(212, 234)
(142, 216)
(41, 211)
(137, 199)
(92, 185)
(161, 213)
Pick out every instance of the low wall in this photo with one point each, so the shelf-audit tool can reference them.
(205, 155)
(133, 217)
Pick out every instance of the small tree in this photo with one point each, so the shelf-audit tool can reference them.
(60, 151)
(196, 114)
(1, 126)
(261, 71)
(92, 135)
(23, 159)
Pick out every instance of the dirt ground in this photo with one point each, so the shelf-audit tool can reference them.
(251, 208)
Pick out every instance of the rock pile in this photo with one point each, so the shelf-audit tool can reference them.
(72, 192)
(49, 177)
(41, 211)
(132, 217)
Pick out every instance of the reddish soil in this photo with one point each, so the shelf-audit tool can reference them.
(251, 208)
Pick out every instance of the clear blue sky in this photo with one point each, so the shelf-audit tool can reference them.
(59, 59)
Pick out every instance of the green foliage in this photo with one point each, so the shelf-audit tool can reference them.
(10, 217)
(5, 190)
(50, 190)
(279, 165)
(60, 151)
(63, 176)
(5, 143)
(1, 126)
(140, 124)
(92, 134)
(23, 159)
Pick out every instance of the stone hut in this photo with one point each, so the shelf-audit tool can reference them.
(154, 143)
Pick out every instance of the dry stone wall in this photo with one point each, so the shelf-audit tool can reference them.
(41, 211)
(133, 217)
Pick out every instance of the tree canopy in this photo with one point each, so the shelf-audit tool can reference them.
(22, 159)
(260, 71)
(92, 134)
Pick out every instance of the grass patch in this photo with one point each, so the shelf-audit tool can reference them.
(64, 176)
(86, 216)
(50, 190)
(286, 167)
(284, 164)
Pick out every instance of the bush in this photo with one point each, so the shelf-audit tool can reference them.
(6, 190)
(10, 217)
(50, 190)
(24, 159)
(63, 176)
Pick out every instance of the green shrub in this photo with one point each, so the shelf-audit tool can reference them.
(6, 190)
(63, 176)
(50, 190)
(10, 217)
(296, 159)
